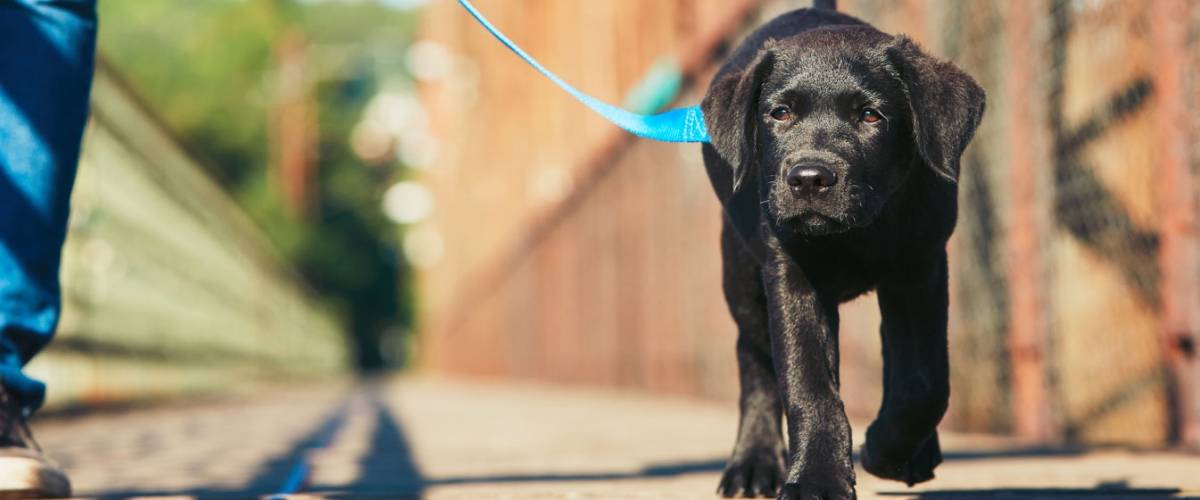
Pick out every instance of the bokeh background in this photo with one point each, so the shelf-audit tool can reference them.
(283, 190)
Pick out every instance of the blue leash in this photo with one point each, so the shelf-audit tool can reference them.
(676, 125)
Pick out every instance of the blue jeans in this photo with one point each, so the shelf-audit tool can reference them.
(46, 60)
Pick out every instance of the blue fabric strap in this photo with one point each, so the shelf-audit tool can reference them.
(676, 125)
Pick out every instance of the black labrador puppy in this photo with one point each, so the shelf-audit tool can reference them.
(835, 154)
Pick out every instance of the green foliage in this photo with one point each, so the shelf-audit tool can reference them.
(207, 67)
(202, 66)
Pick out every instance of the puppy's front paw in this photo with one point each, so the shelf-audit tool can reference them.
(753, 474)
(819, 480)
(915, 466)
(829, 487)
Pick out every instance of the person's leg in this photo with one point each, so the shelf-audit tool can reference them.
(46, 62)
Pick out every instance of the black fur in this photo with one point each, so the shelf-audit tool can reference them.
(791, 256)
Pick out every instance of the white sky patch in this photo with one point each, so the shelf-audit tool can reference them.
(423, 247)
(407, 202)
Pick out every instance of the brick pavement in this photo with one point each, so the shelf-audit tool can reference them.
(422, 437)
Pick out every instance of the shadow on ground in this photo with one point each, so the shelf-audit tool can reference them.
(718, 464)
(1108, 490)
(388, 469)
(270, 477)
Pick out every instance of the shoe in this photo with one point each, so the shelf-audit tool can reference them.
(24, 471)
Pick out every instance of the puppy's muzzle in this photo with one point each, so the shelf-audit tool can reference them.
(807, 180)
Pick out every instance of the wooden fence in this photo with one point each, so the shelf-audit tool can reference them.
(168, 287)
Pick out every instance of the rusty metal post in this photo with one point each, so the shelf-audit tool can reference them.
(1030, 408)
(294, 125)
(1179, 251)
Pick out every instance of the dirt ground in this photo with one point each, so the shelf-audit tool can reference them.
(437, 438)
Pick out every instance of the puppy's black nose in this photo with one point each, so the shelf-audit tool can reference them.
(805, 179)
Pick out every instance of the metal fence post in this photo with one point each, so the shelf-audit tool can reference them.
(1179, 251)
(1030, 410)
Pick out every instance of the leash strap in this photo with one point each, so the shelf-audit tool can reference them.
(676, 125)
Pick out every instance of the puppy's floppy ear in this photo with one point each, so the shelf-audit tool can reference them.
(731, 114)
(945, 103)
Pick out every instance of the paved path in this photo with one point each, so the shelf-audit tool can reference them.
(431, 438)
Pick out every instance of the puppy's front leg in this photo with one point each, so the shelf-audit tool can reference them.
(803, 328)
(902, 443)
(756, 466)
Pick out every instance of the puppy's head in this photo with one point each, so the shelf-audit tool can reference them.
(829, 123)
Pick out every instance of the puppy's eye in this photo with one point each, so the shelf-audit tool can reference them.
(870, 115)
(781, 113)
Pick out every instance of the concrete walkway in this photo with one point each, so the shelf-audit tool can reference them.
(432, 438)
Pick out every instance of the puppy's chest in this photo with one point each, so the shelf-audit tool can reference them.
(844, 274)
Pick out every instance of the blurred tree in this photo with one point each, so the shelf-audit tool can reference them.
(202, 66)
(208, 69)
